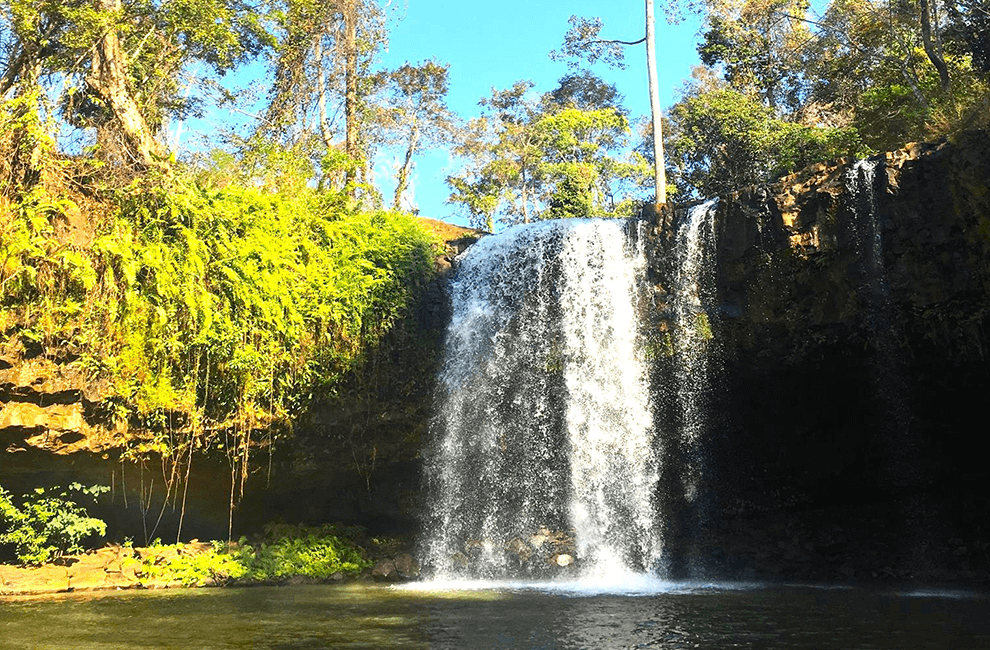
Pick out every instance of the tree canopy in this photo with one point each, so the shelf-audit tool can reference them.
(782, 85)
(560, 154)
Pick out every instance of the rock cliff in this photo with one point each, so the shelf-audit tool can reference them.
(848, 369)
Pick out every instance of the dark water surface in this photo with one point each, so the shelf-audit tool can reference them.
(365, 616)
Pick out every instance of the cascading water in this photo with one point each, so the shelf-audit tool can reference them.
(544, 417)
(903, 460)
(691, 338)
(860, 181)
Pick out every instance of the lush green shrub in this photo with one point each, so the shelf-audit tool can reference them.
(168, 563)
(208, 308)
(48, 523)
(722, 140)
(315, 552)
(284, 551)
(223, 308)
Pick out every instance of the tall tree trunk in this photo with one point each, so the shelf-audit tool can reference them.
(525, 199)
(933, 47)
(659, 173)
(350, 89)
(108, 79)
(403, 178)
(321, 83)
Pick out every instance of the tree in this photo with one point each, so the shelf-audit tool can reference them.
(412, 112)
(880, 66)
(549, 157)
(784, 85)
(115, 67)
(967, 31)
(324, 53)
(502, 174)
(758, 46)
(722, 139)
(108, 82)
(585, 90)
(581, 41)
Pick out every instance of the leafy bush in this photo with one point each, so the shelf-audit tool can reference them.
(49, 523)
(169, 563)
(315, 552)
(208, 308)
(722, 140)
(284, 552)
(220, 307)
(244, 299)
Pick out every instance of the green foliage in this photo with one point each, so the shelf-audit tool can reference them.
(48, 523)
(968, 31)
(723, 139)
(161, 40)
(171, 563)
(412, 112)
(285, 551)
(315, 552)
(791, 83)
(234, 299)
(702, 327)
(563, 155)
(890, 113)
(213, 300)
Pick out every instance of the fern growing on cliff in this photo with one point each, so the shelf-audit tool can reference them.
(203, 310)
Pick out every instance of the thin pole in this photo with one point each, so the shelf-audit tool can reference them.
(659, 175)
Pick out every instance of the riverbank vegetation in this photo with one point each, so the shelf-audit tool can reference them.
(203, 311)
(50, 525)
(318, 553)
(50, 528)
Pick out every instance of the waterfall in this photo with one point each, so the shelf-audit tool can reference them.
(903, 461)
(693, 285)
(860, 185)
(544, 427)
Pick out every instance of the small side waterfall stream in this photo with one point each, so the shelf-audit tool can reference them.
(693, 331)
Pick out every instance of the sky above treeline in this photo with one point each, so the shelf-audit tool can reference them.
(496, 44)
(487, 45)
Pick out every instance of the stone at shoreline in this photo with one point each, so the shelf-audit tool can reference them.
(385, 571)
(400, 568)
(406, 566)
(111, 567)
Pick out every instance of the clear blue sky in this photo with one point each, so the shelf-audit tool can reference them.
(495, 44)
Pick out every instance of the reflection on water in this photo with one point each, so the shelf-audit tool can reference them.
(501, 616)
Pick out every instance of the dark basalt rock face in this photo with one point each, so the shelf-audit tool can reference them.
(848, 372)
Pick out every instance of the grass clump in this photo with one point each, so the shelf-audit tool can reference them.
(174, 563)
(314, 552)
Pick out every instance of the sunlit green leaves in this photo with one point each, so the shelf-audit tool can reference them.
(723, 139)
(559, 156)
(260, 286)
(48, 523)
